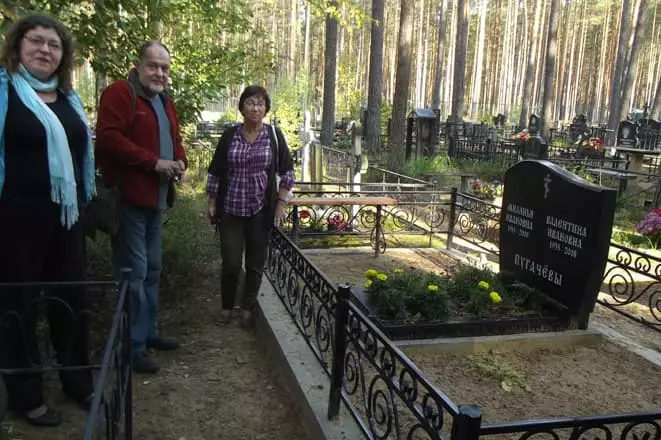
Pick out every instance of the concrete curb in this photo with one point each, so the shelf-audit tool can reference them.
(518, 342)
(301, 373)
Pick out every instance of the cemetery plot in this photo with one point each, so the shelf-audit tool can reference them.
(543, 383)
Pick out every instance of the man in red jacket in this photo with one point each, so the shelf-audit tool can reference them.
(138, 148)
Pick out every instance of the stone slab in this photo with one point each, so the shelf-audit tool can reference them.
(299, 369)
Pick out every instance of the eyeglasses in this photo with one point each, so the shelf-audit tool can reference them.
(255, 103)
(53, 45)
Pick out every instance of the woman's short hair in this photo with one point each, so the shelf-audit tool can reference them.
(10, 56)
(255, 90)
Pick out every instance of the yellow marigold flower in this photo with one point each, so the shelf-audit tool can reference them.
(368, 284)
(371, 273)
(398, 271)
(382, 277)
(495, 298)
(483, 284)
(432, 287)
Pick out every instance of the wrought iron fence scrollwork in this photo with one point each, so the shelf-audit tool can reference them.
(477, 221)
(111, 413)
(386, 394)
(70, 312)
(633, 277)
(641, 426)
(428, 213)
(308, 296)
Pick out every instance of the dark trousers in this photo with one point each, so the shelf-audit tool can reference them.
(36, 248)
(239, 236)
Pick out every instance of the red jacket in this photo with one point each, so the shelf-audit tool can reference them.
(127, 142)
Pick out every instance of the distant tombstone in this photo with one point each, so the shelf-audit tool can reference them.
(626, 134)
(555, 231)
(499, 120)
(535, 147)
(579, 129)
(533, 123)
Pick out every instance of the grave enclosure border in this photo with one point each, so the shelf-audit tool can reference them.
(111, 412)
(383, 390)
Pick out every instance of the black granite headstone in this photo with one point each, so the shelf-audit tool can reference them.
(555, 231)
(535, 147)
(533, 123)
(626, 134)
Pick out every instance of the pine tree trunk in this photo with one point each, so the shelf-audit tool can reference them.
(402, 82)
(459, 79)
(549, 70)
(616, 79)
(293, 38)
(373, 123)
(479, 59)
(656, 106)
(330, 73)
(639, 30)
(440, 59)
(598, 115)
(527, 92)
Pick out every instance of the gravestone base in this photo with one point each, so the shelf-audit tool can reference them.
(552, 321)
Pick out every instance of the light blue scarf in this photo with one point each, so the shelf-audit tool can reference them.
(60, 165)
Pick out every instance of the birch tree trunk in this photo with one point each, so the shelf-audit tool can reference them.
(440, 59)
(459, 82)
(330, 74)
(549, 70)
(373, 123)
(616, 80)
(639, 30)
(402, 82)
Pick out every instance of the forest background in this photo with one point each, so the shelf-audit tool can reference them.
(469, 59)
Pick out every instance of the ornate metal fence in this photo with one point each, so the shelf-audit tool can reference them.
(110, 416)
(477, 222)
(308, 296)
(426, 213)
(623, 427)
(633, 279)
(383, 390)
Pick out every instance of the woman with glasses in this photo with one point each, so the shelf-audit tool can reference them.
(245, 200)
(46, 179)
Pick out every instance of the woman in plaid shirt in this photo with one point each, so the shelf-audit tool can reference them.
(244, 201)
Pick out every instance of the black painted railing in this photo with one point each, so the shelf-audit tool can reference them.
(639, 426)
(632, 285)
(110, 416)
(426, 213)
(306, 293)
(384, 391)
(111, 413)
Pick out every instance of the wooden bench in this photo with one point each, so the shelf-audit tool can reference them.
(377, 202)
(622, 177)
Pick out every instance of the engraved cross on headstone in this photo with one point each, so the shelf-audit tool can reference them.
(547, 180)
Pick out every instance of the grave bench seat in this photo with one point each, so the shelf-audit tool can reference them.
(623, 177)
(377, 202)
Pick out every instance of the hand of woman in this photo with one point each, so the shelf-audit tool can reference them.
(280, 213)
(211, 211)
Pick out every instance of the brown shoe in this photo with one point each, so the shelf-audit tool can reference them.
(247, 319)
(225, 316)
